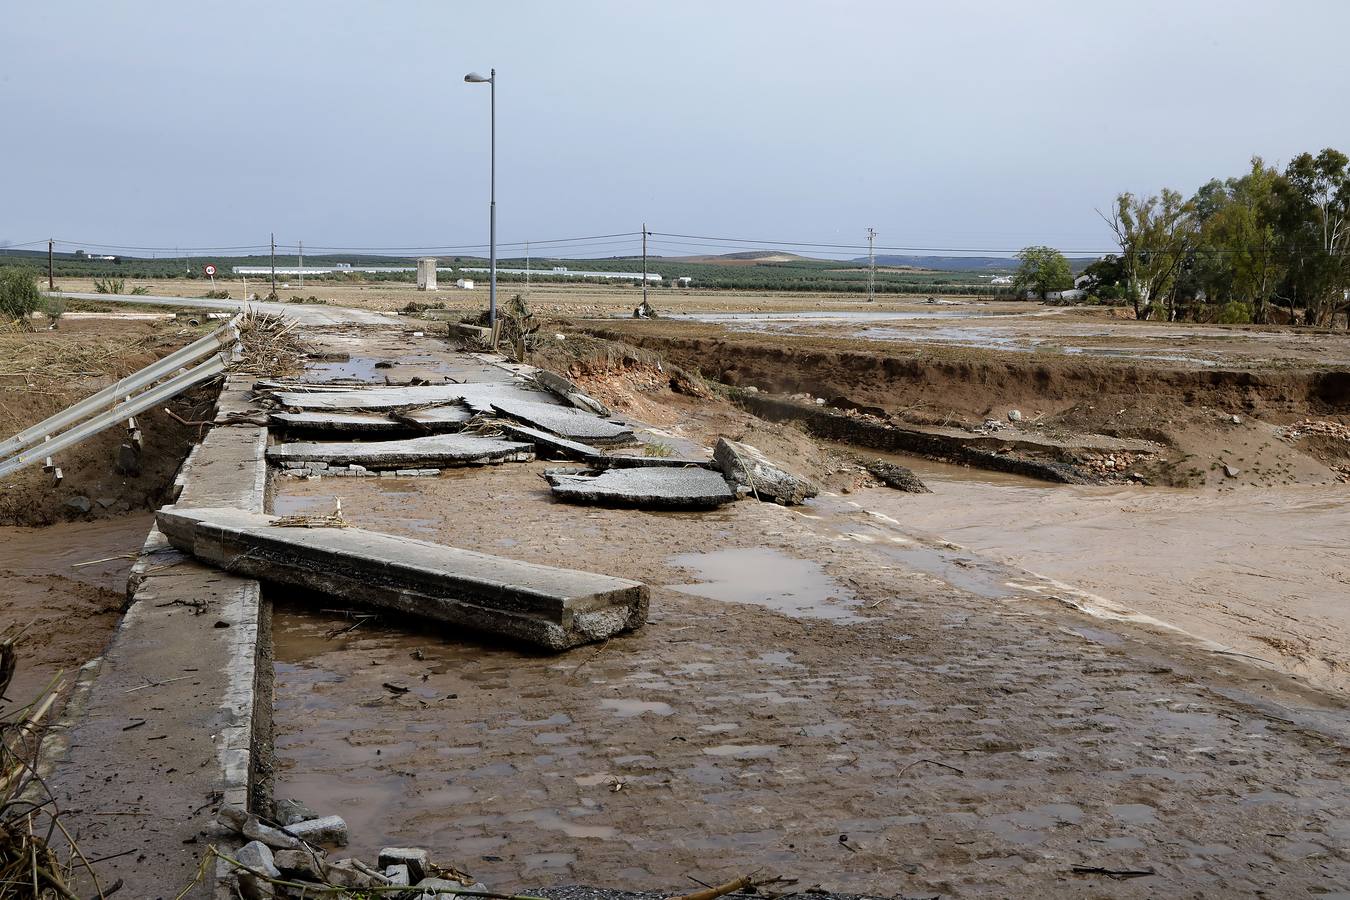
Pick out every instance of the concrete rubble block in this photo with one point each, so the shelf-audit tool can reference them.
(256, 858)
(324, 830)
(569, 392)
(573, 424)
(898, 477)
(749, 469)
(291, 811)
(615, 461)
(447, 888)
(551, 446)
(553, 608)
(397, 875)
(334, 423)
(477, 396)
(450, 417)
(272, 837)
(352, 873)
(645, 488)
(442, 450)
(414, 858)
(307, 863)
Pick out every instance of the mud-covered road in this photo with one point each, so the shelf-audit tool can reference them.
(857, 722)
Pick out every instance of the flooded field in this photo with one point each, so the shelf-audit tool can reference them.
(1062, 330)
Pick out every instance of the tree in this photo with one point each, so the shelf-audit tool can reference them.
(1043, 269)
(1314, 220)
(1239, 259)
(19, 296)
(1105, 278)
(1156, 236)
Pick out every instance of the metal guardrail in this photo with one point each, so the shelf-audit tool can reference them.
(42, 440)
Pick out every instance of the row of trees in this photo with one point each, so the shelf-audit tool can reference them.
(1245, 244)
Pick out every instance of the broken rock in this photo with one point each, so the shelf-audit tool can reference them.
(750, 470)
(325, 830)
(898, 477)
(414, 858)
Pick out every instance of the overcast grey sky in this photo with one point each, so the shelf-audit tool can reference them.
(963, 123)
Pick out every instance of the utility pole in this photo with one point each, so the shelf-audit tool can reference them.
(527, 268)
(871, 266)
(300, 261)
(274, 264)
(50, 241)
(644, 263)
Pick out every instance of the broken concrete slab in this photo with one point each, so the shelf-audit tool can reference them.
(618, 461)
(324, 830)
(337, 423)
(479, 396)
(573, 424)
(569, 392)
(551, 446)
(898, 477)
(648, 488)
(752, 472)
(450, 417)
(553, 608)
(433, 451)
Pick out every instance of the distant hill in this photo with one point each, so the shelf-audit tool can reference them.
(746, 257)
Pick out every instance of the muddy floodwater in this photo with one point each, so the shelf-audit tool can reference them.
(65, 585)
(1264, 572)
(811, 697)
(1059, 330)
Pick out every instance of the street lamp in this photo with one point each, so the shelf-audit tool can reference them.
(475, 78)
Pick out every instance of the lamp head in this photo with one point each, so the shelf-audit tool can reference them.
(475, 78)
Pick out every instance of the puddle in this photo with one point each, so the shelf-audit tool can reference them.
(759, 576)
(627, 709)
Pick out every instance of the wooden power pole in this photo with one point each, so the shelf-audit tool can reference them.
(50, 241)
(274, 264)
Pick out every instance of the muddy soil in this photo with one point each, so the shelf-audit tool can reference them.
(43, 372)
(807, 699)
(65, 584)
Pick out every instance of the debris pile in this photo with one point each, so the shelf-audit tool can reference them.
(1107, 465)
(287, 859)
(1317, 428)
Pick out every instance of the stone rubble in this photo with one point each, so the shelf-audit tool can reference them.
(751, 472)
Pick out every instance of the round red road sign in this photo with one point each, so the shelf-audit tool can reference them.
(209, 269)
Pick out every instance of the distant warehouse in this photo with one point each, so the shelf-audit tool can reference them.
(326, 270)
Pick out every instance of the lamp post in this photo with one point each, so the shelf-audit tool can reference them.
(491, 79)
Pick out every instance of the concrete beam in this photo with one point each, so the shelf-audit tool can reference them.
(646, 488)
(553, 608)
(565, 421)
(337, 423)
(434, 451)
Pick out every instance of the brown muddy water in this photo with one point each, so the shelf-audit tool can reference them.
(65, 585)
(1264, 572)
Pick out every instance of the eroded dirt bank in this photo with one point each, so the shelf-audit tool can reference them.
(41, 373)
(971, 383)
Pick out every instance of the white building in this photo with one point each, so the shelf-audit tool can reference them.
(465, 283)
